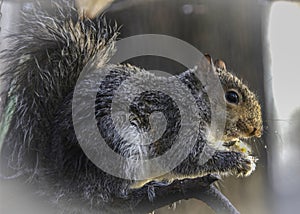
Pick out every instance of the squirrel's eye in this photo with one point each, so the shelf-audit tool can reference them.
(232, 97)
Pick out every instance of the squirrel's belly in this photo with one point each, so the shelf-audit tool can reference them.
(165, 179)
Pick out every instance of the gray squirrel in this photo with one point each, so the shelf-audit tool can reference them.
(44, 61)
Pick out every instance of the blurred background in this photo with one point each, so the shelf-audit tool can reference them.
(260, 41)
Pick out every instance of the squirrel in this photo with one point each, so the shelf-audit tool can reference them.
(43, 63)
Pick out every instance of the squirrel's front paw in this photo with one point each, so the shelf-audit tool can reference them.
(246, 166)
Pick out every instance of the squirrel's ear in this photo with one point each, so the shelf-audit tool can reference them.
(220, 65)
(209, 59)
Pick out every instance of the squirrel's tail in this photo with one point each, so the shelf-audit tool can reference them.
(43, 63)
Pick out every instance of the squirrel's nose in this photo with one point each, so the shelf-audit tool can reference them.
(254, 132)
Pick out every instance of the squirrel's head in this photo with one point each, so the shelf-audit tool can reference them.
(243, 111)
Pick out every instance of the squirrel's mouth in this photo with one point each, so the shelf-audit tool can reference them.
(238, 146)
(232, 137)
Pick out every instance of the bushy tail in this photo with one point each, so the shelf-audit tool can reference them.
(44, 61)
